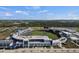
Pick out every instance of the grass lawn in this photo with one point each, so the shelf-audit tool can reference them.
(43, 33)
(37, 28)
(77, 29)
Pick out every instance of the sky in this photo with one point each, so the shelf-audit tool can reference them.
(39, 12)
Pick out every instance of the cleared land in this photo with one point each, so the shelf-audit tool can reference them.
(5, 32)
(69, 44)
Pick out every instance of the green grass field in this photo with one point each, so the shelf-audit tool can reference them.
(77, 29)
(43, 33)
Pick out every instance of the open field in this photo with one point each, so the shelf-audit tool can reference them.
(37, 28)
(6, 31)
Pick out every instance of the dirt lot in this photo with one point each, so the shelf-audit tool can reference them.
(5, 32)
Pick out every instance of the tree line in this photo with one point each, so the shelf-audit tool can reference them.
(41, 24)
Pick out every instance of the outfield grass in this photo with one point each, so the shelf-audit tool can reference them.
(37, 28)
(77, 29)
(43, 33)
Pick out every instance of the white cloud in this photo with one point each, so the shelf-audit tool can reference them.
(36, 7)
(22, 12)
(19, 11)
(43, 11)
(68, 15)
(8, 14)
(73, 15)
(4, 8)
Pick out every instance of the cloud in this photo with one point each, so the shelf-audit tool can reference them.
(43, 11)
(36, 7)
(21, 12)
(73, 15)
(4, 8)
(8, 14)
(66, 15)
